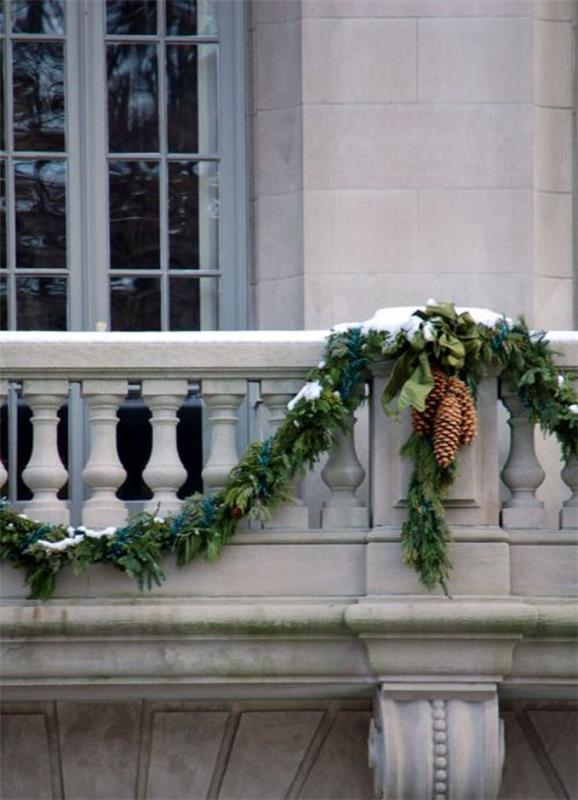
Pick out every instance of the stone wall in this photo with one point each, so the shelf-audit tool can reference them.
(172, 750)
(412, 148)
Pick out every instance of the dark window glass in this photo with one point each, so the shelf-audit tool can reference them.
(187, 18)
(192, 116)
(185, 307)
(38, 76)
(193, 203)
(135, 304)
(3, 242)
(37, 16)
(3, 304)
(2, 101)
(41, 304)
(133, 114)
(1, 16)
(134, 214)
(181, 17)
(131, 17)
(40, 188)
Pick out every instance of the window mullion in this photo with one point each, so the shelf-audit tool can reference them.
(95, 165)
(163, 173)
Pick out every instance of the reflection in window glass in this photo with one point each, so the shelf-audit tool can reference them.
(38, 90)
(192, 98)
(41, 304)
(193, 215)
(3, 243)
(134, 214)
(190, 17)
(37, 16)
(2, 106)
(185, 311)
(131, 17)
(135, 304)
(132, 98)
(3, 304)
(40, 189)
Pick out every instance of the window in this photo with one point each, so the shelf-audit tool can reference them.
(121, 140)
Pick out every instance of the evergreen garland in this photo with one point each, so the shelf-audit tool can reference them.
(436, 336)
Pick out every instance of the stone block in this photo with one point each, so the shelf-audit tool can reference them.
(407, 147)
(277, 63)
(541, 570)
(360, 231)
(279, 236)
(417, 8)
(555, 10)
(475, 60)
(279, 151)
(270, 11)
(359, 61)
(554, 83)
(553, 235)
(280, 304)
(475, 230)
(277, 739)
(24, 757)
(553, 303)
(99, 746)
(199, 734)
(553, 149)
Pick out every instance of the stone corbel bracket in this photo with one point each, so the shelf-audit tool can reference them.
(436, 733)
(443, 742)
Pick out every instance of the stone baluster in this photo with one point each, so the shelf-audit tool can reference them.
(276, 394)
(569, 511)
(45, 474)
(164, 473)
(103, 473)
(222, 399)
(522, 473)
(3, 471)
(343, 474)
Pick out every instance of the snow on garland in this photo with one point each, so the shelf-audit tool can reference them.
(439, 354)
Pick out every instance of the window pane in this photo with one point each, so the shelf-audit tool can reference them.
(135, 304)
(37, 16)
(132, 98)
(131, 16)
(3, 304)
(3, 250)
(185, 310)
(41, 304)
(193, 215)
(2, 102)
(38, 96)
(40, 188)
(190, 17)
(134, 214)
(192, 98)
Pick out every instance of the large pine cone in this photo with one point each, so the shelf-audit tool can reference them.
(469, 416)
(423, 420)
(447, 429)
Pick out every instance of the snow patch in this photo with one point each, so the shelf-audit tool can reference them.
(310, 391)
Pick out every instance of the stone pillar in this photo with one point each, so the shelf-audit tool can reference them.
(522, 473)
(222, 398)
(164, 473)
(103, 473)
(343, 474)
(443, 742)
(276, 394)
(45, 473)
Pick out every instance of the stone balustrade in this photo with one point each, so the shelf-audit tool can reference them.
(41, 368)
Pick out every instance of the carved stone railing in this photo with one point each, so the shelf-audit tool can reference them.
(289, 611)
